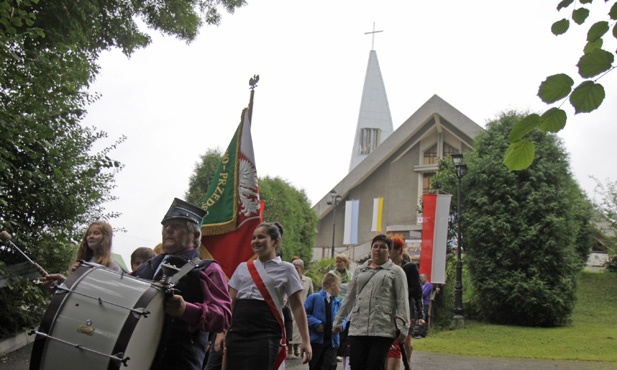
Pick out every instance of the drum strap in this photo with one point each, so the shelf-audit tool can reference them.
(184, 270)
(277, 315)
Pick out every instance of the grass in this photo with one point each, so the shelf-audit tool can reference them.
(591, 335)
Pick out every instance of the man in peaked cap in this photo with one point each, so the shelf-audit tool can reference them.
(203, 303)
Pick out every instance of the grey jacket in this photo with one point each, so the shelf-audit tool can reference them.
(374, 298)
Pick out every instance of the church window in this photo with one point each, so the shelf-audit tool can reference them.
(448, 149)
(426, 182)
(369, 139)
(430, 155)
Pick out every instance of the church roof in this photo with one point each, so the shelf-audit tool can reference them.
(434, 106)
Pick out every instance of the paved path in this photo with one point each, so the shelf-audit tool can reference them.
(436, 361)
(20, 360)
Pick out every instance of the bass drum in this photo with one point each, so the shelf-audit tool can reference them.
(101, 319)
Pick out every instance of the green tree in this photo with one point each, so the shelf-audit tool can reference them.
(292, 209)
(93, 26)
(50, 181)
(521, 230)
(586, 97)
(202, 176)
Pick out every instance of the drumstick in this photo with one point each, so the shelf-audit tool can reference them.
(7, 238)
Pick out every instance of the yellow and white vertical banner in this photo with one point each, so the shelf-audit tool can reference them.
(377, 214)
(352, 211)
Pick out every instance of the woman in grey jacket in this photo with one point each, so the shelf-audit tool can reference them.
(377, 295)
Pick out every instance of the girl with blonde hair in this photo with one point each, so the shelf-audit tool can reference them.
(95, 247)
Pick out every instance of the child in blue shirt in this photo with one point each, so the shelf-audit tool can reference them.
(323, 341)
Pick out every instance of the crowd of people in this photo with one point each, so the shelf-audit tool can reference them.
(364, 318)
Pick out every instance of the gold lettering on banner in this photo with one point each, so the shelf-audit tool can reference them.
(220, 186)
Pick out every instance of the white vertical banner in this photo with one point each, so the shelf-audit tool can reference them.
(377, 214)
(350, 233)
(442, 215)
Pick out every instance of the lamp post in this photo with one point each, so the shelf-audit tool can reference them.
(335, 199)
(459, 319)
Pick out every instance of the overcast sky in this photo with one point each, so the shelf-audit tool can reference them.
(175, 101)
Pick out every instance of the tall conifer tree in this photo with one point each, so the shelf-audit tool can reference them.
(521, 230)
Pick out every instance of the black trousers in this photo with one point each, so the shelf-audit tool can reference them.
(324, 357)
(289, 323)
(369, 353)
(342, 349)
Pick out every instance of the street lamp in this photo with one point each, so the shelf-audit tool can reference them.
(461, 168)
(335, 199)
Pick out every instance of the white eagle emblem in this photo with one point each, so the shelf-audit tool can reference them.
(247, 188)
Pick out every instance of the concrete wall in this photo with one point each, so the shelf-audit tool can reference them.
(597, 261)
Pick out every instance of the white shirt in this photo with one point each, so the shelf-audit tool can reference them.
(283, 274)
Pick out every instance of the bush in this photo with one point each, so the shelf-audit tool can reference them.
(23, 303)
(318, 269)
(611, 266)
(443, 305)
(32, 304)
(444, 301)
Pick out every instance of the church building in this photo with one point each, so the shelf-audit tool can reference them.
(389, 171)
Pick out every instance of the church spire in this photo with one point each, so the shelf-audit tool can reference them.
(374, 121)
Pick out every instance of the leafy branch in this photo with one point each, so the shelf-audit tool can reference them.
(586, 97)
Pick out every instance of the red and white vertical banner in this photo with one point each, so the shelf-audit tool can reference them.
(435, 214)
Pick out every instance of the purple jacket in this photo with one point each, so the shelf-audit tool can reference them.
(427, 289)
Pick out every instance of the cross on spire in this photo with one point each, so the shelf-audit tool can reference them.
(373, 32)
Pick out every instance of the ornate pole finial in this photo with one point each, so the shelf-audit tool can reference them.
(253, 82)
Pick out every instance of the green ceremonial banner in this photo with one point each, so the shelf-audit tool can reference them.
(221, 198)
(233, 203)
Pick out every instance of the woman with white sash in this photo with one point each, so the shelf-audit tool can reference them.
(254, 339)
